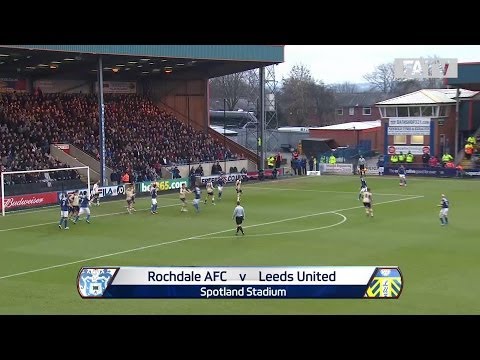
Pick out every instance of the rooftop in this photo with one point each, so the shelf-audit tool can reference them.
(359, 99)
(354, 125)
(428, 97)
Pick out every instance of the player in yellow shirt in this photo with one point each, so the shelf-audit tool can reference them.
(238, 188)
(210, 193)
(130, 196)
(367, 200)
(183, 197)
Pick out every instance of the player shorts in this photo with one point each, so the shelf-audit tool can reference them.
(84, 210)
(239, 191)
(196, 201)
(183, 200)
(154, 201)
(444, 212)
(64, 214)
(362, 167)
(220, 188)
(367, 205)
(76, 208)
(239, 220)
(401, 176)
(129, 201)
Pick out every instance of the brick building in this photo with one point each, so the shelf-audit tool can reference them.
(357, 107)
(424, 120)
(365, 134)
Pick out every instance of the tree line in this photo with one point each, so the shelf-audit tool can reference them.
(302, 100)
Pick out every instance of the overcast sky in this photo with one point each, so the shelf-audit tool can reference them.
(340, 63)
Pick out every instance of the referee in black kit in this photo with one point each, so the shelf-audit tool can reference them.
(239, 216)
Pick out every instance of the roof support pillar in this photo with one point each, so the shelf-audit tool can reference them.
(101, 122)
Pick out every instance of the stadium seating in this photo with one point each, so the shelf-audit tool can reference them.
(140, 137)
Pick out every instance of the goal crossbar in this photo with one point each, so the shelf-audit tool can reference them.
(5, 173)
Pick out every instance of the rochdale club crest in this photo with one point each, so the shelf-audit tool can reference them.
(92, 282)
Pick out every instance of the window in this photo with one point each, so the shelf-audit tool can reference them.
(402, 111)
(416, 140)
(339, 111)
(426, 111)
(367, 111)
(351, 111)
(443, 111)
(414, 111)
(391, 112)
(435, 111)
(400, 139)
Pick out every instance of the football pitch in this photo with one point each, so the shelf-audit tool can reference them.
(316, 221)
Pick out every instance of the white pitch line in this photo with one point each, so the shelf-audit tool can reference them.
(191, 238)
(344, 218)
(96, 216)
(53, 207)
(329, 191)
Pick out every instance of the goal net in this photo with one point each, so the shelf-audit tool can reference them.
(39, 188)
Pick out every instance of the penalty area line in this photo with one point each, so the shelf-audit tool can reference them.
(328, 191)
(94, 217)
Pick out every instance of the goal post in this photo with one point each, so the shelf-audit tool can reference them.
(50, 186)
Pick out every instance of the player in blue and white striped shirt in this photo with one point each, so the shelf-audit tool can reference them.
(84, 207)
(153, 194)
(64, 205)
(363, 187)
(402, 175)
(198, 196)
(445, 205)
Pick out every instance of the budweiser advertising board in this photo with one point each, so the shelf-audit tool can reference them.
(30, 200)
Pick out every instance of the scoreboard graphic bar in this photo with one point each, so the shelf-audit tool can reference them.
(278, 282)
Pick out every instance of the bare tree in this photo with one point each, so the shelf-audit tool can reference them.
(383, 78)
(324, 103)
(252, 81)
(432, 83)
(296, 97)
(346, 88)
(304, 101)
(230, 87)
(407, 86)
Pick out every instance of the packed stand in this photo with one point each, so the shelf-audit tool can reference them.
(25, 144)
(140, 137)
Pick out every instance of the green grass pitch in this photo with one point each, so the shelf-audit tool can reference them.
(297, 221)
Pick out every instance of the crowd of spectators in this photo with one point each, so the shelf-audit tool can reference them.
(23, 147)
(140, 137)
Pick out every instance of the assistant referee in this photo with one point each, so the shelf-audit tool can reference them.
(239, 216)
